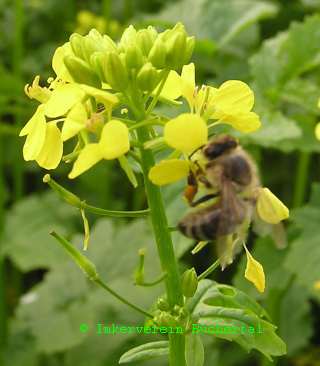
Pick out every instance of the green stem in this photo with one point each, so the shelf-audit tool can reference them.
(165, 247)
(153, 283)
(158, 92)
(209, 270)
(122, 299)
(301, 179)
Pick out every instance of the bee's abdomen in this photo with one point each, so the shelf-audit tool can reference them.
(201, 225)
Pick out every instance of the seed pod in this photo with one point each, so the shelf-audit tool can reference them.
(148, 77)
(133, 57)
(114, 71)
(189, 282)
(81, 72)
(157, 54)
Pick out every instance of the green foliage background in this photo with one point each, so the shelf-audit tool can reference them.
(272, 45)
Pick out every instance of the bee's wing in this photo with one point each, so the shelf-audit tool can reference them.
(232, 214)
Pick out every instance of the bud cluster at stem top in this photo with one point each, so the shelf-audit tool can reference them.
(138, 58)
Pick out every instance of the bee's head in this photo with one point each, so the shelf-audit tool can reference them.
(219, 146)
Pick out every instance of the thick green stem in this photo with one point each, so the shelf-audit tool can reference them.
(165, 247)
(301, 179)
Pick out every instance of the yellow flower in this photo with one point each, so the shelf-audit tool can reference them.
(232, 103)
(270, 208)
(316, 285)
(254, 272)
(186, 133)
(113, 143)
(168, 171)
(57, 62)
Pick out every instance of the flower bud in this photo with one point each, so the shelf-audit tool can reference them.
(148, 77)
(162, 304)
(189, 282)
(189, 49)
(83, 262)
(133, 57)
(81, 72)
(97, 64)
(157, 54)
(175, 51)
(76, 42)
(114, 71)
(145, 39)
(128, 37)
(108, 44)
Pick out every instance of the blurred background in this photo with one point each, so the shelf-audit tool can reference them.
(272, 45)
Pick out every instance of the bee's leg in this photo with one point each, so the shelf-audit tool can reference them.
(191, 189)
(205, 198)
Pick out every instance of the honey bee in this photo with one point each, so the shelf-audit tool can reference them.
(230, 179)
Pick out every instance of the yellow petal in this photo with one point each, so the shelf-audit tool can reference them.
(36, 130)
(270, 208)
(232, 97)
(74, 122)
(188, 83)
(168, 171)
(62, 99)
(52, 149)
(58, 64)
(172, 87)
(186, 133)
(245, 122)
(317, 131)
(88, 157)
(108, 99)
(254, 272)
(114, 141)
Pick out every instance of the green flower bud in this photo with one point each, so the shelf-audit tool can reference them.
(114, 71)
(145, 39)
(108, 44)
(81, 72)
(166, 319)
(97, 64)
(148, 77)
(76, 43)
(176, 47)
(191, 41)
(162, 304)
(128, 37)
(133, 57)
(157, 54)
(83, 262)
(189, 282)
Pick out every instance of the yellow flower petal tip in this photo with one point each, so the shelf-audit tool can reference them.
(270, 209)
(254, 272)
(317, 131)
(168, 171)
(114, 140)
(186, 133)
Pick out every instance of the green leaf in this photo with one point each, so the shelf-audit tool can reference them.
(217, 20)
(26, 240)
(212, 309)
(194, 350)
(146, 352)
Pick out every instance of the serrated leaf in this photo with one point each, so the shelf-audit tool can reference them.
(146, 352)
(194, 350)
